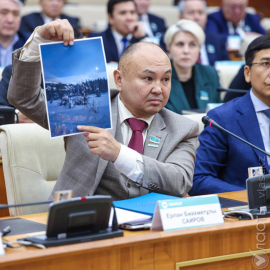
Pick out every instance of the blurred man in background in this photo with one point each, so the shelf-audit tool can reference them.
(10, 38)
(232, 19)
(124, 28)
(214, 48)
(153, 25)
(51, 10)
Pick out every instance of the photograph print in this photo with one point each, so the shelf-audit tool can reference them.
(76, 86)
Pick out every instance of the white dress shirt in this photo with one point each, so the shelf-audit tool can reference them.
(6, 52)
(47, 19)
(129, 162)
(119, 42)
(264, 122)
(239, 29)
(146, 25)
(204, 56)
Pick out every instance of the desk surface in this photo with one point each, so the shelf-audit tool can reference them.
(190, 248)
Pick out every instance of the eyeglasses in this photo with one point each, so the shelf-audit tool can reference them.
(265, 65)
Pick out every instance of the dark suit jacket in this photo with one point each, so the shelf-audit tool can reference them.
(110, 47)
(4, 83)
(205, 79)
(222, 161)
(217, 24)
(31, 21)
(157, 24)
(22, 39)
(216, 48)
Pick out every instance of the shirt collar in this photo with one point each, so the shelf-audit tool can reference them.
(124, 113)
(12, 43)
(119, 37)
(145, 18)
(48, 19)
(259, 106)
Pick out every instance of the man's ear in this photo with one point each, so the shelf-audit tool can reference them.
(118, 79)
(110, 19)
(247, 73)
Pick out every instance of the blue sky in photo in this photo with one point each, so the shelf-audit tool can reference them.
(73, 64)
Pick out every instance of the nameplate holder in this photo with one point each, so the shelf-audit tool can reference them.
(2, 251)
(186, 213)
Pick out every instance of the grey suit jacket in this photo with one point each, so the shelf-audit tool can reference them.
(169, 166)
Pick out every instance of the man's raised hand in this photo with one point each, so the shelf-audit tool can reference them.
(58, 30)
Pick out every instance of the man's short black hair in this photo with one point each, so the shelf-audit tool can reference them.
(112, 3)
(258, 44)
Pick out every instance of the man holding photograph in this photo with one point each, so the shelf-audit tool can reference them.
(148, 146)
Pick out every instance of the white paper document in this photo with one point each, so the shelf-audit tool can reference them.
(124, 216)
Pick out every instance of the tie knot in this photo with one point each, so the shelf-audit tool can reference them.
(136, 124)
(124, 39)
(267, 112)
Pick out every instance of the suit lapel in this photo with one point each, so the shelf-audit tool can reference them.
(39, 19)
(102, 164)
(156, 129)
(253, 135)
(177, 91)
(111, 46)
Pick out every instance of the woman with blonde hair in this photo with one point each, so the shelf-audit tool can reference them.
(193, 85)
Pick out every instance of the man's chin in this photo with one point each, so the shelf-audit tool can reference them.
(8, 33)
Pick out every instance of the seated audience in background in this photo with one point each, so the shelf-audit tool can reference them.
(10, 38)
(239, 81)
(123, 155)
(214, 47)
(232, 19)
(153, 25)
(124, 28)
(51, 10)
(193, 85)
(4, 83)
(222, 161)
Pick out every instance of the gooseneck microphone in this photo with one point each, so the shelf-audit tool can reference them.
(210, 122)
(221, 89)
(4, 206)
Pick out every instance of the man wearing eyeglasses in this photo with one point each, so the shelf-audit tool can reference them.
(232, 19)
(222, 161)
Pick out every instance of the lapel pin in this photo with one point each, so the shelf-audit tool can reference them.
(154, 139)
(152, 145)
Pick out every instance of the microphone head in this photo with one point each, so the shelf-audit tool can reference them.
(206, 120)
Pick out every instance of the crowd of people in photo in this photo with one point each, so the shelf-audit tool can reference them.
(163, 70)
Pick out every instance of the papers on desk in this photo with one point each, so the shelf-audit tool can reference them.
(145, 204)
(2, 251)
(124, 216)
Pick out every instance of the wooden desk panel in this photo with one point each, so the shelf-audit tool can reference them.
(226, 245)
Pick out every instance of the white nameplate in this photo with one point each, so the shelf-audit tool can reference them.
(187, 213)
(2, 251)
